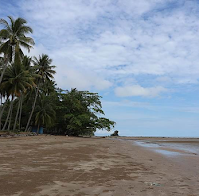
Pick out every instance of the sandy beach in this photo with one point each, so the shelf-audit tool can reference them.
(68, 166)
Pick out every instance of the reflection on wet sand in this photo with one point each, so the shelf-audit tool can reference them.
(171, 147)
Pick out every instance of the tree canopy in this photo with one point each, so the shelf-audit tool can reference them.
(80, 113)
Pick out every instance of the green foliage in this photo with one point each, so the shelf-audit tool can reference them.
(13, 37)
(16, 80)
(79, 113)
(44, 112)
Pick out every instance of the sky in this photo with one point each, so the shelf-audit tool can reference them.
(141, 56)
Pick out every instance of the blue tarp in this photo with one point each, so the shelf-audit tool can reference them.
(34, 129)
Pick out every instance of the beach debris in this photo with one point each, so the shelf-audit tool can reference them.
(153, 184)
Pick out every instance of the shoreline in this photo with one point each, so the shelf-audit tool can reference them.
(57, 165)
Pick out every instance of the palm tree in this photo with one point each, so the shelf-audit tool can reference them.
(45, 70)
(16, 81)
(12, 38)
(45, 113)
(26, 63)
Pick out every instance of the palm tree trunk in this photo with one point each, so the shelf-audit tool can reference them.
(4, 127)
(13, 53)
(4, 69)
(16, 117)
(33, 108)
(1, 112)
(10, 117)
(21, 101)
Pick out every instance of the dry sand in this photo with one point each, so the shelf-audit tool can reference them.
(66, 166)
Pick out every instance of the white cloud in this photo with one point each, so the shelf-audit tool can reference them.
(117, 39)
(136, 90)
(194, 108)
(164, 79)
(80, 79)
(37, 50)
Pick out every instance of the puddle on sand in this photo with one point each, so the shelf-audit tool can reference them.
(189, 148)
(168, 153)
(147, 144)
(157, 148)
(171, 147)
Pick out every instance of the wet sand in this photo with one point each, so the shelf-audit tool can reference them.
(66, 166)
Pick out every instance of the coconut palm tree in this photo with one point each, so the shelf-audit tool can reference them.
(46, 71)
(48, 87)
(45, 114)
(13, 37)
(16, 81)
(26, 63)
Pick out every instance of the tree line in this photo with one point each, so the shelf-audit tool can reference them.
(29, 96)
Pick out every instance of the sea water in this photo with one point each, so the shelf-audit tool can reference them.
(170, 148)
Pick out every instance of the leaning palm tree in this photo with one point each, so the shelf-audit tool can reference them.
(13, 37)
(16, 81)
(46, 71)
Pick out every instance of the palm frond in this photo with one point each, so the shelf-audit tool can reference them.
(24, 30)
(6, 25)
(12, 21)
(26, 44)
